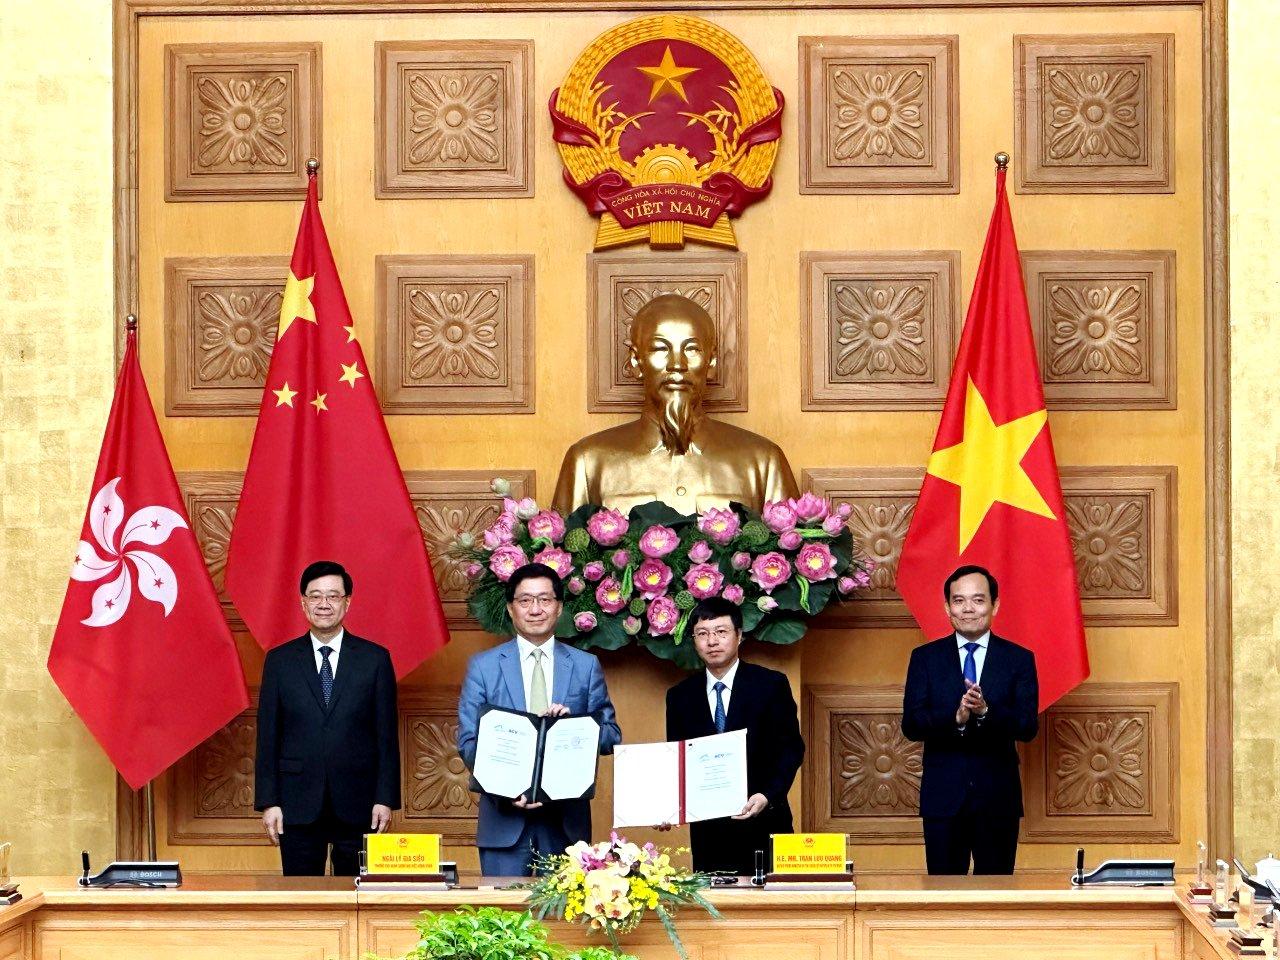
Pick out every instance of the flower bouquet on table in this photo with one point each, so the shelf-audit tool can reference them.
(639, 575)
(609, 887)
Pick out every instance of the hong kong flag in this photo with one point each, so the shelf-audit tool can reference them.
(991, 494)
(142, 651)
(323, 482)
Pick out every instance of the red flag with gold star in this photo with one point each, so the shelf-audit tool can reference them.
(323, 482)
(991, 494)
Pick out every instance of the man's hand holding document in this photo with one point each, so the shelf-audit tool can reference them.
(682, 781)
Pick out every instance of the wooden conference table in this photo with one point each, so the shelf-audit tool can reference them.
(236, 917)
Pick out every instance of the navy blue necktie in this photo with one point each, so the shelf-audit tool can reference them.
(326, 674)
(719, 688)
(970, 665)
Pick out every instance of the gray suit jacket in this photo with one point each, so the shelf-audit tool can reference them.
(493, 676)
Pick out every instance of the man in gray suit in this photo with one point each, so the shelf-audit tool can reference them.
(535, 673)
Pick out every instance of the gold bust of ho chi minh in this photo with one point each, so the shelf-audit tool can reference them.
(673, 451)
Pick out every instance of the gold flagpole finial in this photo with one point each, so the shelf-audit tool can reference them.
(313, 165)
(1002, 161)
(131, 323)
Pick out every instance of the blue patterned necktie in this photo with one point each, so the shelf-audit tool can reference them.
(326, 674)
(719, 688)
(970, 665)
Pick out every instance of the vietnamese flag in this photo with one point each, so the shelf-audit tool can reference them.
(991, 494)
(323, 482)
(142, 652)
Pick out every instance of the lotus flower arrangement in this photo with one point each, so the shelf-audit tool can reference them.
(609, 886)
(639, 575)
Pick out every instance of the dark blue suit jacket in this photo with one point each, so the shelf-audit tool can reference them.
(974, 769)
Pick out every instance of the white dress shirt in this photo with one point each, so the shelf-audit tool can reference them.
(726, 693)
(335, 644)
(979, 655)
(526, 648)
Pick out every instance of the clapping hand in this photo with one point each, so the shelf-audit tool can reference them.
(972, 704)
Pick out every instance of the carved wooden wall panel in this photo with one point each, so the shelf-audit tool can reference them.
(619, 284)
(241, 119)
(1103, 768)
(449, 503)
(878, 329)
(210, 497)
(1105, 327)
(434, 780)
(862, 776)
(1094, 114)
(1122, 522)
(879, 115)
(455, 334)
(454, 118)
(211, 788)
(221, 315)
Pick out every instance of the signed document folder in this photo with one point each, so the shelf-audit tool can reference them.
(682, 781)
(540, 758)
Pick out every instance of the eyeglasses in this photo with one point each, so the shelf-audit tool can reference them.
(720, 633)
(527, 601)
(330, 597)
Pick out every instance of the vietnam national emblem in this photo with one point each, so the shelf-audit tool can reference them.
(667, 128)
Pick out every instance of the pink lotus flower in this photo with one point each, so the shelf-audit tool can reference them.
(658, 541)
(607, 527)
(558, 560)
(734, 594)
(790, 540)
(700, 552)
(719, 524)
(778, 516)
(584, 622)
(766, 604)
(770, 571)
(815, 562)
(704, 580)
(863, 577)
(506, 560)
(631, 625)
(810, 508)
(609, 595)
(501, 532)
(652, 577)
(594, 570)
(524, 509)
(844, 511)
(620, 559)
(663, 615)
(846, 585)
(474, 571)
(548, 524)
(576, 585)
(833, 525)
(741, 560)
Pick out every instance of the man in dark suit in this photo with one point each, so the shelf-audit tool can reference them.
(536, 673)
(969, 697)
(731, 694)
(328, 765)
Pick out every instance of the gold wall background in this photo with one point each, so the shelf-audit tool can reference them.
(57, 791)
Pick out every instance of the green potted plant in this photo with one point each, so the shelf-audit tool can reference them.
(490, 933)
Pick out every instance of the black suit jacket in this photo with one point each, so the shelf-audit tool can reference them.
(761, 703)
(974, 769)
(351, 750)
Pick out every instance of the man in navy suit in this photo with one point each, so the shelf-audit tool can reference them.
(535, 673)
(731, 694)
(969, 697)
(328, 761)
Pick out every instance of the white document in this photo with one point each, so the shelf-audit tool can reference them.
(715, 776)
(646, 784)
(569, 754)
(646, 780)
(506, 749)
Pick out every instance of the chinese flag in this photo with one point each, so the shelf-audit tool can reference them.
(323, 482)
(991, 494)
(142, 652)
